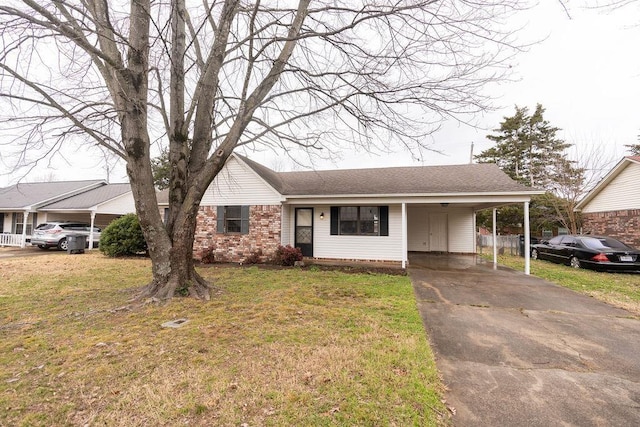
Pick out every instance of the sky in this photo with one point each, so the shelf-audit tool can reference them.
(584, 69)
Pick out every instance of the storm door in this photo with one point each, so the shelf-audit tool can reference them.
(304, 231)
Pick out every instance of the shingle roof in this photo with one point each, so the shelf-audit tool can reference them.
(451, 179)
(91, 198)
(36, 194)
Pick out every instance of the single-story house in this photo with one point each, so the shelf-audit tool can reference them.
(612, 207)
(377, 214)
(23, 206)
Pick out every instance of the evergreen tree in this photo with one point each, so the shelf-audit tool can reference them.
(527, 148)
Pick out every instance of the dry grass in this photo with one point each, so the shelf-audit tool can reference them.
(275, 347)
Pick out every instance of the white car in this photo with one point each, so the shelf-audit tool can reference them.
(54, 234)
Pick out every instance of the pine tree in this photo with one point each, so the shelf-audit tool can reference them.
(527, 148)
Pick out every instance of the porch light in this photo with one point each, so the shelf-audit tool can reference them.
(321, 215)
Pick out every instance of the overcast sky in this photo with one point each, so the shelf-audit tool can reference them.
(585, 71)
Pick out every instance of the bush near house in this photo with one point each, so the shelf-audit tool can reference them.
(287, 255)
(123, 237)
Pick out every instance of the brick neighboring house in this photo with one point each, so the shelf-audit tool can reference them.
(612, 207)
(356, 214)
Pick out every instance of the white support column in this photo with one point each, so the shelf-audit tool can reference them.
(23, 243)
(93, 220)
(527, 240)
(404, 235)
(495, 238)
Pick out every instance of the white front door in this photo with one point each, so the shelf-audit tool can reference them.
(438, 232)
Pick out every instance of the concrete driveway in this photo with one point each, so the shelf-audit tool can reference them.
(515, 350)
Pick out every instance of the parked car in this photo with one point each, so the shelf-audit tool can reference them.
(54, 234)
(594, 252)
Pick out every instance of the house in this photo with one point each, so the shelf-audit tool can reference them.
(358, 214)
(23, 206)
(612, 207)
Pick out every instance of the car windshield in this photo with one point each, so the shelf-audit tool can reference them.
(45, 226)
(603, 243)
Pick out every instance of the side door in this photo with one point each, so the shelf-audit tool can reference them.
(438, 235)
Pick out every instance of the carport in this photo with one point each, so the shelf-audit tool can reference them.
(24, 206)
(448, 223)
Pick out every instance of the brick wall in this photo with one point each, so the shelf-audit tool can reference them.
(623, 225)
(264, 235)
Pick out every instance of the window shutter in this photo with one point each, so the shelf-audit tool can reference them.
(1, 222)
(14, 222)
(244, 223)
(35, 220)
(335, 213)
(220, 220)
(384, 220)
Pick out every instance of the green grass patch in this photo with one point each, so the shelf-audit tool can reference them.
(618, 289)
(274, 347)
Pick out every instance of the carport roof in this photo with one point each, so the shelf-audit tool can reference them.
(36, 194)
(90, 198)
(485, 178)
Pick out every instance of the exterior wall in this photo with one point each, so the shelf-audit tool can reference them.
(236, 184)
(118, 206)
(369, 248)
(460, 229)
(263, 237)
(622, 224)
(622, 193)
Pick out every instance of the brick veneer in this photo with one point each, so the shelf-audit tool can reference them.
(624, 225)
(264, 235)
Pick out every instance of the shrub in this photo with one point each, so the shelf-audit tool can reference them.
(254, 258)
(287, 255)
(208, 257)
(123, 237)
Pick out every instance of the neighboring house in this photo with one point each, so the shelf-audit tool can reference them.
(612, 207)
(24, 206)
(358, 214)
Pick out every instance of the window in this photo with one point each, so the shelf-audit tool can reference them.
(360, 220)
(233, 219)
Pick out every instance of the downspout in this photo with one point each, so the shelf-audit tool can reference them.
(527, 240)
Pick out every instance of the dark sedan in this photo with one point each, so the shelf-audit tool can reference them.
(593, 252)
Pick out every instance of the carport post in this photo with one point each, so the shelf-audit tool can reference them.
(24, 228)
(404, 235)
(93, 220)
(495, 238)
(527, 240)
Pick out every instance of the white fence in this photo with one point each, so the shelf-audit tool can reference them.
(509, 244)
(11, 239)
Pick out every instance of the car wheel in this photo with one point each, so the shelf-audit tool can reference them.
(534, 254)
(63, 245)
(43, 247)
(574, 262)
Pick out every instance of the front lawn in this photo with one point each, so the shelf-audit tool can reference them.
(273, 347)
(618, 289)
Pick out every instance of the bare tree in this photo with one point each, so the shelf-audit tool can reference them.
(204, 78)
